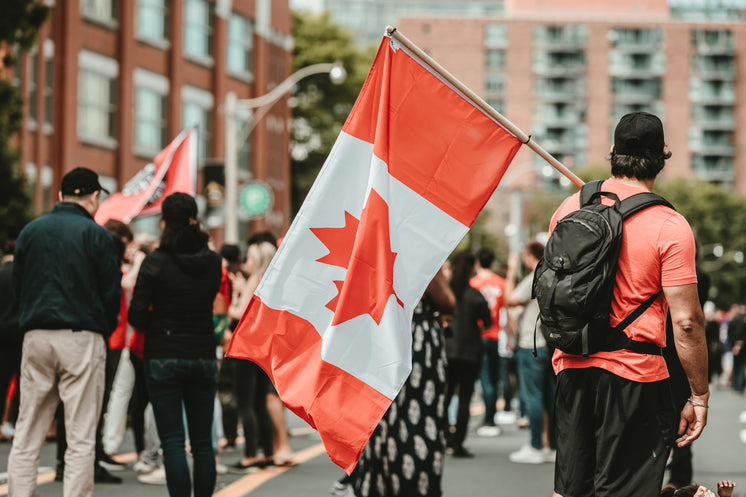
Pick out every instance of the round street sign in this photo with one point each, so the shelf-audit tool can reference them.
(256, 199)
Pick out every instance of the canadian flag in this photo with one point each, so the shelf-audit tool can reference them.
(173, 170)
(330, 322)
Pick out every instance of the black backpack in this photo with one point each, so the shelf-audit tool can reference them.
(574, 281)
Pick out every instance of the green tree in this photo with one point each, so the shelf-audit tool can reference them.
(319, 107)
(19, 26)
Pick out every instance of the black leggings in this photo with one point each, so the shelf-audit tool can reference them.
(251, 385)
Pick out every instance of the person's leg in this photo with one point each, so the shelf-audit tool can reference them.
(199, 401)
(635, 434)
(228, 400)
(110, 370)
(115, 421)
(140, 401)
(152, 444)
(165, 381)
(549, 390)
(267, 438)
(738, 378)
(245, 390)
(488, 376)
(35, 414)
(531, 378)
(575, 425)
(82, 359)
(467, 376)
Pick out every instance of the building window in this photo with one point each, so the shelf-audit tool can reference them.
(33, 76)
(196, 111)
(495, 35)
(495, 59)
(495, 83)
(99, 10)
(240, 44)
(150, 116)
(197, 28)
(151, 19)
(150, 120)
(48, 81)
(97, 99)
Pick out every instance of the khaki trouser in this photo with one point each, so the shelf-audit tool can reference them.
(58, 365)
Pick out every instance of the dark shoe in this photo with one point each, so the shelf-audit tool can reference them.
(461, 452)
(101, 475)
(110, 464)
(245, 468)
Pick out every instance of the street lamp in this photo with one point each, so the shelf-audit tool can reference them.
(337, 74)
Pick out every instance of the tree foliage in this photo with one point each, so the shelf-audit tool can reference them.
(19, 26)
(319, 107)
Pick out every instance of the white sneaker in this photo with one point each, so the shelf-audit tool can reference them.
(155, 477)
(550, 455)
(489, 431)
(7, 430)
(341, 489)
(142, 467)
(505, 417)
(741, 418)
(527, 455)
(221, 468)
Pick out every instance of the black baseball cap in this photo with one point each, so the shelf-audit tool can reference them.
(81, 181)
(639, 134)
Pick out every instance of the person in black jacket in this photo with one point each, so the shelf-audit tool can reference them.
(172, 303)
(67, 281)
(464, 345)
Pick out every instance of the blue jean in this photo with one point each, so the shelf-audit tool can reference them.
(537, 382)
(488, 378)
(191, 383)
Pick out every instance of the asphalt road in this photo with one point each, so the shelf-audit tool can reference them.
(719, 454)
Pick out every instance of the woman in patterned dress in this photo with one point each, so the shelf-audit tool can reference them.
(405, 454)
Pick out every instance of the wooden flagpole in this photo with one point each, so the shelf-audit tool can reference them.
(523, 137)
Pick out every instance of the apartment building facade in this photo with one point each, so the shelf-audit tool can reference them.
(112, 82)
(566, 73)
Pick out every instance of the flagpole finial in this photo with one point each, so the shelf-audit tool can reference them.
(390, 30)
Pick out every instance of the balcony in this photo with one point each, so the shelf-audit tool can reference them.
(726, 123)
(565, 120)
(555, 70)
(708, 98)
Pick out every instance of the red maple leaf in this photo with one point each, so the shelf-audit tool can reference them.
(363, 248)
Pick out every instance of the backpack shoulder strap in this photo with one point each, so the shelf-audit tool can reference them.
(588, 190)
(640, 201)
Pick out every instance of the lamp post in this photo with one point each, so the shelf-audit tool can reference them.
(337, 75)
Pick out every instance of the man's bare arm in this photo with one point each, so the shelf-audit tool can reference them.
(689, 337)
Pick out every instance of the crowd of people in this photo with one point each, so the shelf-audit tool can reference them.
(116, 326)
(101, 326)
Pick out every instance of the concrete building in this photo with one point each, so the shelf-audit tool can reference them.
(565, 71)
(111, 82)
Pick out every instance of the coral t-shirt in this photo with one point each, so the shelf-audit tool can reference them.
(657, 251)
(492, 288)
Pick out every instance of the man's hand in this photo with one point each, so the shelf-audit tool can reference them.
(692, 422)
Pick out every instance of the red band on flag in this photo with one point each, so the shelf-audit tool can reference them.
(322, 391)
(432, 138)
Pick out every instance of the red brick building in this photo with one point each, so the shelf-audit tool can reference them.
(565, 71)
(111, 82)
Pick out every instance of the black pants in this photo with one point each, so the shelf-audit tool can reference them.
(461, 375)
(251, 387)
